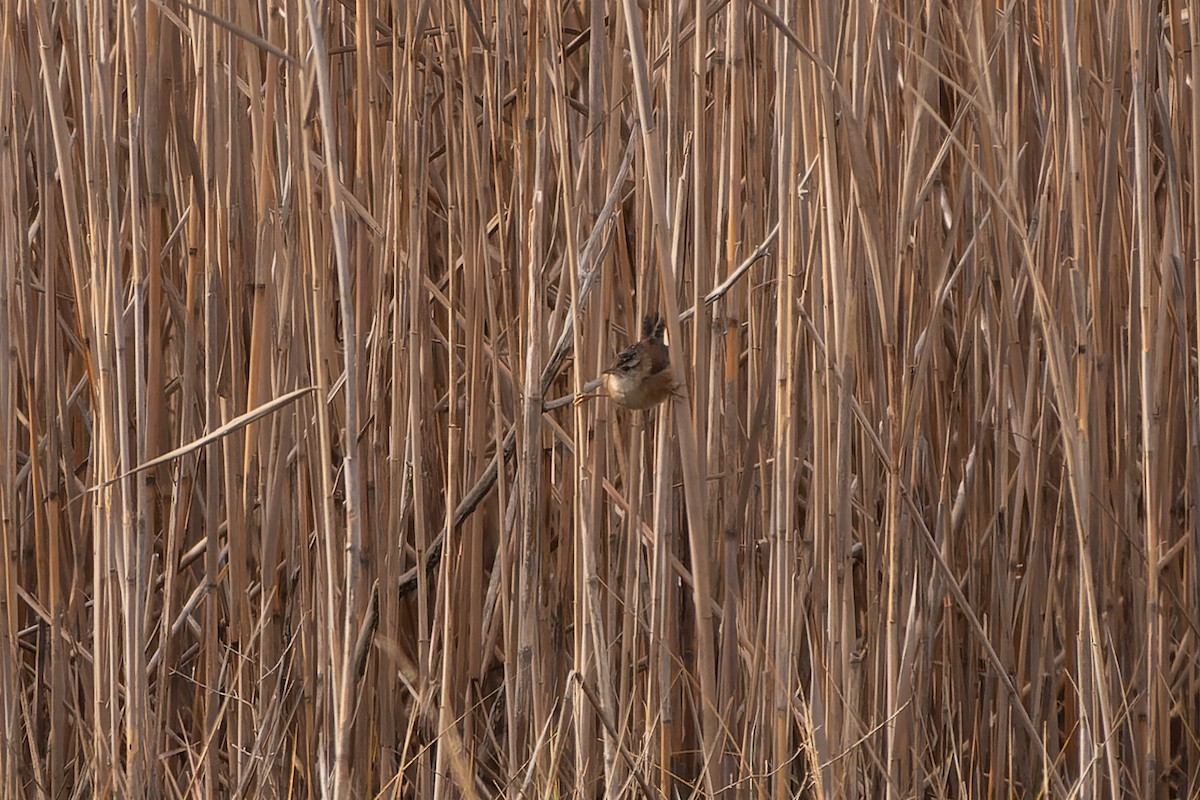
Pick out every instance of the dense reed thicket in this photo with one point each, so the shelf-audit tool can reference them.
(287, 287)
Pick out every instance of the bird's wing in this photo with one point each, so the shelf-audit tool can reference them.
(658, 356)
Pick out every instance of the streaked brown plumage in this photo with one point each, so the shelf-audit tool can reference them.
(641, 376)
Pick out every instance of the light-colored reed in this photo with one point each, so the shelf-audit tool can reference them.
(286, 287)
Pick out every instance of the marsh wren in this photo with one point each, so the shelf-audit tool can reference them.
(641, 376)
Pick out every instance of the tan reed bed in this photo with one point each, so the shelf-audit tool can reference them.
(287, 286)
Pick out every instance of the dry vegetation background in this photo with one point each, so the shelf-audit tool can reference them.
(920, 524)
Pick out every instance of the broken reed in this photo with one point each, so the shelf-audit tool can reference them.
(923, 521)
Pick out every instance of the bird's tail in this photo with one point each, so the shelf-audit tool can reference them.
(652, 327)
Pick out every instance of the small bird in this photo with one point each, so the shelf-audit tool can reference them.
(641, 376)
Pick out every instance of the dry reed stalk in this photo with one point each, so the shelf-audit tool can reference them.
(289, 293)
